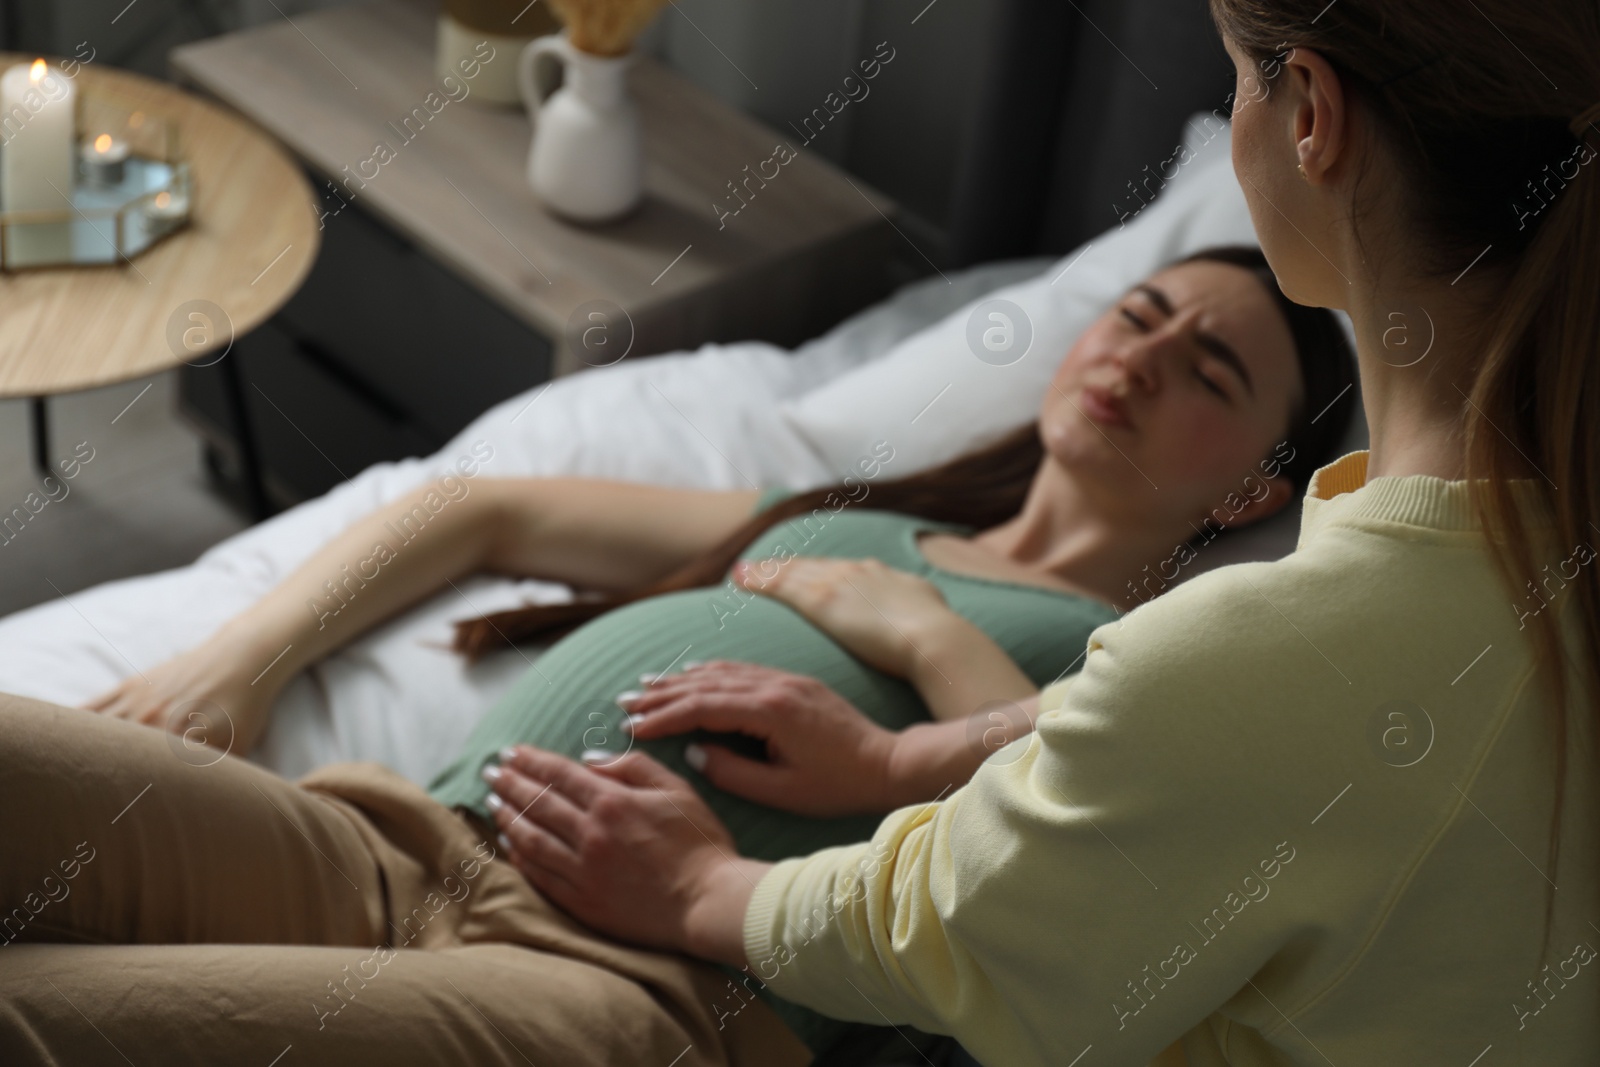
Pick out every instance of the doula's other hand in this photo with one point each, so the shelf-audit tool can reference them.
(824, 758)
(205, 696)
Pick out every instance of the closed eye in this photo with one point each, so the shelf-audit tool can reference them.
(1209, 384)
(1144, 327)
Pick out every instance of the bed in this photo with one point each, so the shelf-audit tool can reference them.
(724, 416)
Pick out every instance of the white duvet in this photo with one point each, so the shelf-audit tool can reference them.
(725, 416)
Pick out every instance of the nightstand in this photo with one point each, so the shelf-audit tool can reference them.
(443, 287)
(249, 243)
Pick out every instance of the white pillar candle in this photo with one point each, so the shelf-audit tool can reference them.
(36, 161)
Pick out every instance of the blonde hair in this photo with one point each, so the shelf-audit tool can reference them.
(1495, 144)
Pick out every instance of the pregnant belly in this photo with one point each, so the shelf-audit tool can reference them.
(565, 702)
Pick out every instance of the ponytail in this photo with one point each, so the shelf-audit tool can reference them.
(1536, 402)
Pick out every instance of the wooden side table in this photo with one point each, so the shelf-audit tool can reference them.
(444, 287)
(250, 243)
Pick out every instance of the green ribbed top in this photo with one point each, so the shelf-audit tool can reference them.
(563, 703)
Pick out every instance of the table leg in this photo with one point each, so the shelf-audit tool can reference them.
(244, 433)
(39, 406)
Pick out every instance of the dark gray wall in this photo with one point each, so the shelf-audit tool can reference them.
(780, 59)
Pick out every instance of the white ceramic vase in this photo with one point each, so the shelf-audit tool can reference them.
(587, 158)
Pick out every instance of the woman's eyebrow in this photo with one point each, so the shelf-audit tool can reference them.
(1209, 341)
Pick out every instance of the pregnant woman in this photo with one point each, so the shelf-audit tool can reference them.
(955, 592)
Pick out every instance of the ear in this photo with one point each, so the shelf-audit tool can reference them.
(1279, 492)
(1320, 117)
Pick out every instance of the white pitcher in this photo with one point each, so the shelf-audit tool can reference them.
(587, 158)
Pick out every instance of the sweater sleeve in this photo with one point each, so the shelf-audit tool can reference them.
(1064, 897)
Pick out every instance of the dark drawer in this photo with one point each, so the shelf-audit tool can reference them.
(409, 330)
(312, 428)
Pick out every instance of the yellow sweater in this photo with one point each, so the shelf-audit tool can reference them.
(1289, 813)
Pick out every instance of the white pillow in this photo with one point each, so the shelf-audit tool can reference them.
(932, 398)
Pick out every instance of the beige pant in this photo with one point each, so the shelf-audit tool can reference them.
(154, 909)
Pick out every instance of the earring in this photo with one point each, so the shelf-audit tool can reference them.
(1301, 167)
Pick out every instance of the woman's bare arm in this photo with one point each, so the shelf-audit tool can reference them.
(960, 671)
(610, 536)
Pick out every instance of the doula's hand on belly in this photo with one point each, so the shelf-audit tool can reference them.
(626, 847)
(824, 758)
(878, 613)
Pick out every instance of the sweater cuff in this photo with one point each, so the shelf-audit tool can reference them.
(778, 923)
(760, 916)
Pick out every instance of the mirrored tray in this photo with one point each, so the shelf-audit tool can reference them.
(106, 224)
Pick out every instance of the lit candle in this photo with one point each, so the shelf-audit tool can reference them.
(168, 208)
(36, 165)
(103, 160)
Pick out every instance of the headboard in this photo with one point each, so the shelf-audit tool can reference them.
(1083, 95)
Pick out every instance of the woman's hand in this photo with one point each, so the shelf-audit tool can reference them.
(205, 696)
(824, 758)
(629, 849)
(880, 614)
(898, 623)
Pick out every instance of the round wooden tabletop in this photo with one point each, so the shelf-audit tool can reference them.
(251, 240)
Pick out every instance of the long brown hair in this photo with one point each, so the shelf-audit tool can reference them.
(980, 489)
(1483, 133)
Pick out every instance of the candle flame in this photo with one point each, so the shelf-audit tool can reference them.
(102, 143)
(36, 72)
(163, 199)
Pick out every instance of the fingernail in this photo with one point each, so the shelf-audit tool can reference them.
(598, 755)
(630, 722)
(695, 756)
(505, 842)
(622, 700)
(651, 677)
(494, 802)
(690, 665)
(490, 773)
(508, 753)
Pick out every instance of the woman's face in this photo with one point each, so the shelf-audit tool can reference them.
(1178, 392)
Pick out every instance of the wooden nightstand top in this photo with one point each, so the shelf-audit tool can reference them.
(335, 85)
(249, 245)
